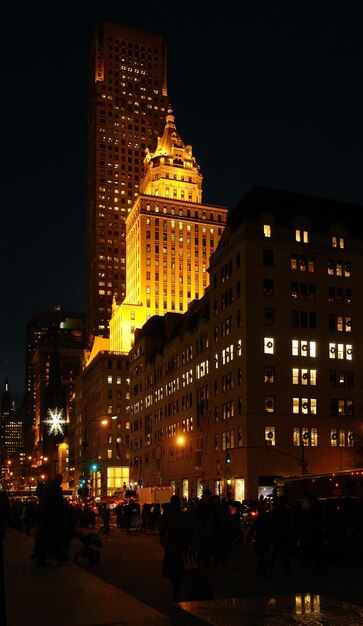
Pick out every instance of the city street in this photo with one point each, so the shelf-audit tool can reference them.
(132, 562)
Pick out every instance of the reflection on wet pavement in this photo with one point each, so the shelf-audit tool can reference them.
(305, 609)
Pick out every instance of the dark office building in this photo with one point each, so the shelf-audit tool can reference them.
(127, 108)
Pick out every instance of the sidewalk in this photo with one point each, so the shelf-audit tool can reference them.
(64, 594)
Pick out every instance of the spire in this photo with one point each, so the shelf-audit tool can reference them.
(170, 138)
(172, 168)
(171, 145)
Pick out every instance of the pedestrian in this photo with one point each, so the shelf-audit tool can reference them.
(260, 534)
(204, 530)
(4, 512)
(221, 531)
(127, 512)
(175, 541)
(309, 532)
(280, 523)
(52, 523)
(119, 515)
(28, 515)
(106, 518)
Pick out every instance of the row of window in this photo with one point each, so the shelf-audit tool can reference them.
(303, 236)
(302, 347)
(303, 263)
(309, 406)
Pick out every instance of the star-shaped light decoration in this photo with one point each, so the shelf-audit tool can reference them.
(55, 421)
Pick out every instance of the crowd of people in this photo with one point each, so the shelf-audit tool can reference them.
(203, 529)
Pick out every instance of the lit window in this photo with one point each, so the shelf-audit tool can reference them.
(337, 242)
(268, 345)
(270, 404)
(302, 236)
(270, 436)
(269, 376)
(350, 439)
(314, 437)
(267, 230)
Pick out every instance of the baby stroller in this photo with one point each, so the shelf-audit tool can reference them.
(90, 541)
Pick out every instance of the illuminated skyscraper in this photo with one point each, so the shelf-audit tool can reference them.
(170, 236)
(127, 107)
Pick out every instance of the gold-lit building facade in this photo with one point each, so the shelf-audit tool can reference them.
(263, 376)
(170, 237)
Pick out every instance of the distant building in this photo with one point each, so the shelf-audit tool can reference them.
(11, 437)
(55, 344)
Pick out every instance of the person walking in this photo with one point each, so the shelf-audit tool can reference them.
(309, 533)
(260, 534)
(106, 518)
(280, 523)
(204, 530)
(4, 512)
(175, 541)
(52, 522)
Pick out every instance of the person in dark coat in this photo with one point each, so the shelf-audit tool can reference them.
(309, 533)
(52, 522)
(4, 512)
(204, 530)
(281, 530)
(174, 540)
(261, 536)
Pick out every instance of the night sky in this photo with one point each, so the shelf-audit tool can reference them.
(266, 92)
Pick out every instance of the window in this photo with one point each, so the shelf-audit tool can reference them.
(304, 406)
(337, 242)
(341, 437)
(268, 316)
(268, 258)
(340, 351)
(302, 263)
(270, 436)
(301, 347)
(303, 377)
(268, 345)
(269, 404)
(268, 287)
(304, 436)
(267, 230)
(303, 291)
(302, 236)
(341, 323)
(303, 319)
(269, 375)
(342, 407)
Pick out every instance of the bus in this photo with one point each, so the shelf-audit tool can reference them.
(342, 483)
(339, 498)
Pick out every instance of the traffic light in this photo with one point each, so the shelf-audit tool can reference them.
(95, 466)
(228, 458)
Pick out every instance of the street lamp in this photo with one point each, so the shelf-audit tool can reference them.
(90, 465)
(102, 420)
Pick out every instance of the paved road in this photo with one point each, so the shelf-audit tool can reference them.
(133, 563)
